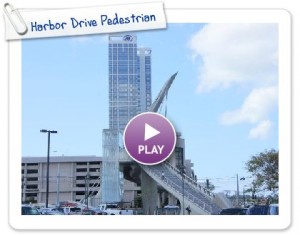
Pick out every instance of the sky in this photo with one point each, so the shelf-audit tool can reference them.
(224, 100)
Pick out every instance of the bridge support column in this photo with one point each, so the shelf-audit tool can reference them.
(149, 194)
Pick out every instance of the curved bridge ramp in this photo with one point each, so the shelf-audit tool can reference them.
(200, 201)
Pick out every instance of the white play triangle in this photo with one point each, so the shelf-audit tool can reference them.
(150, 132)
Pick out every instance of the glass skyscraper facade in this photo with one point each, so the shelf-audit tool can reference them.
(129, 80)
(144, 78)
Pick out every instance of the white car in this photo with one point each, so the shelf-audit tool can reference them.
(50, 211)
(273, 209)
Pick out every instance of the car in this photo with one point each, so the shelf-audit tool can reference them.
(258, 210)
(90, 211)
(29, 210)
(234, 211)
(50, 211)
(99, 211)
(70, 210)
(171, 209)
(273, 209)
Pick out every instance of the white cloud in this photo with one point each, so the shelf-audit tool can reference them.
(235, 53)
(261, 131)
(240, 55)
(95, 39)
(255, 108)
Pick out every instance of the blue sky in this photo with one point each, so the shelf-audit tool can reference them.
(223, 101)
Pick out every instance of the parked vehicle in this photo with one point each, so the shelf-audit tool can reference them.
(71, 207)
(70, 210)
(127, 212)
(258, 210)
(29, 210)
(171, 210)
(91, 211)
(234, 211)
(273, 209)
(50, 211)
(100, 212)
(114, 209)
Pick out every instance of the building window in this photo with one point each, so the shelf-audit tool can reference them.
(32, 178)
(32, 164)
(95, 169)
(32, 171)
(32, 186)
(81, 163)
(31, 194)
(80, 193)
(92, 177)
(81, 170)
(80, 177)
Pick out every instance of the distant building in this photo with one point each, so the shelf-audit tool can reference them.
(67, 180)
(144, 79)
(189, 168)
(177, 158)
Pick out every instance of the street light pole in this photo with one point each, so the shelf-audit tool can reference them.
(87, 182)
(244, 198)
(237, 189)
(182, 173)
(48, 161)
(243, 178)
(58, 182)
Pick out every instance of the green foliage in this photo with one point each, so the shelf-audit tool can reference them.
(264, 170)
(138, 203)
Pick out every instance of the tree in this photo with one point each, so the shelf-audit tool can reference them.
(138, 203)
(264, 170)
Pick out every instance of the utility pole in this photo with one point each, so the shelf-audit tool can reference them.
(48, 161)
(58, 183)
(237, 189)
(182, 173)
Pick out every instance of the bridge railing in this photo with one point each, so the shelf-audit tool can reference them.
(191, 182)
(180, 190)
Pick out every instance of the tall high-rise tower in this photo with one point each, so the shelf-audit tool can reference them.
(123, 99)
(129, 94)
(129, 80)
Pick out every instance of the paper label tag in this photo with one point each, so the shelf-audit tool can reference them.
(88, 20)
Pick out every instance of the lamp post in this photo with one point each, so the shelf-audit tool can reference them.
(243, 178)
(57, 184)
(87, 182)
(244, 197)
(237, 188)
(48, 158)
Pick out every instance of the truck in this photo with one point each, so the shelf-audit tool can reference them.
(114, 209)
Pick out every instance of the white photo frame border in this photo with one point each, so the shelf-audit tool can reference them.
(147, 222)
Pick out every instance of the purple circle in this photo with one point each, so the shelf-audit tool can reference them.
(149, 138)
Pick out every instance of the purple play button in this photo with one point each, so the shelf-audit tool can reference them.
(149, 138)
